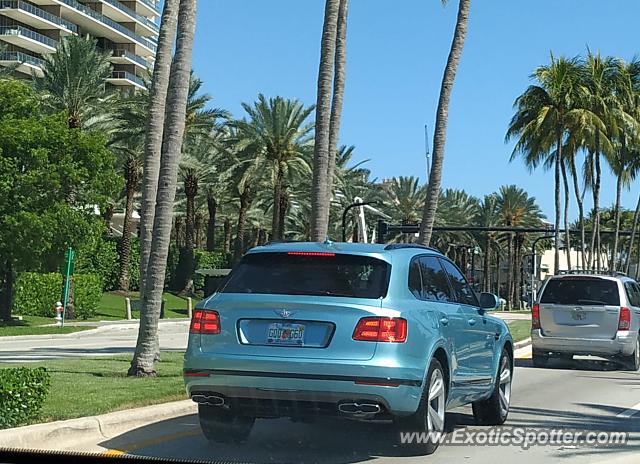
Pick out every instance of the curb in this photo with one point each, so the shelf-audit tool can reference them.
(61, 434)
(522, 344)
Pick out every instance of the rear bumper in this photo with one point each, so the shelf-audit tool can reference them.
(328, 382)
(623, 344)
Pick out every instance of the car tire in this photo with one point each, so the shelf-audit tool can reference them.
(632, 362)
(430, 416)
(539, 358)
(495, 409)
(221, 425)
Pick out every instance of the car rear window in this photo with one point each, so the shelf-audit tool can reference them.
(581, 291)
(322, 274)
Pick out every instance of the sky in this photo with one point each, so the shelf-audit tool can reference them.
(397, 51)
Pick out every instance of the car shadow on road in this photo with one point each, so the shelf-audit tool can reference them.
(329, 440)
(579, 364)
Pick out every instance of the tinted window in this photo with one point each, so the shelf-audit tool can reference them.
(435, 286)
(632, 293)
(581, 291)
(415, 282)
(463, 292)
(332, 275)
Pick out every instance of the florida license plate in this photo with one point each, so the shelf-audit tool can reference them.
(280, 333)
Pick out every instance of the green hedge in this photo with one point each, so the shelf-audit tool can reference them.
(22, 393)
(207, 260)
(35, 294)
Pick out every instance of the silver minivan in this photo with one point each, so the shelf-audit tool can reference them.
(587, 314)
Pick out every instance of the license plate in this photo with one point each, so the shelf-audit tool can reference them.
(279, 333)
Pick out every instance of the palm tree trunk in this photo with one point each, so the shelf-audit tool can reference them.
(517, 286)
(125, 243)
(189, 243)
(442, 116)
(567, 233)
(486, 265)
(212, 206)
(634, 228)
(498, 273)
(178, 228)
(339, 80)
(614, 253)
(321, 151)
(284, 206)
(147, 347)
(556, 241)
(277, 202)
(245, 203)
(579, 201)
(596, 211)
(226, 247)
(7, 293)
(155, 129)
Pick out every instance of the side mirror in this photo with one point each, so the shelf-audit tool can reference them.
(489, 301)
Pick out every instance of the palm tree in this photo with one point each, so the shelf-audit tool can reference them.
(403, 199)
(487, 216)
(442, 116)
(277, 133)
(147, 346)
(339, 80)
(153, 134)
(132, 171)
(545, 112)
(456, 208)
(73, 79)
(322, 148)
(516, 209)
(600, 75)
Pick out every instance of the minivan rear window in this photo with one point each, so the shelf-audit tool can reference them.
(318, 274)
(581, 291)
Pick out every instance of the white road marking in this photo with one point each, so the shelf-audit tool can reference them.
(633, 410)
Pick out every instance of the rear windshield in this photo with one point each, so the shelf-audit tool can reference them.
(581, 291)
(305, 274)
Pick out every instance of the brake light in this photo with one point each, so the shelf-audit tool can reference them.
(381, 329)
(310, 253)
(535, 316)
(205, 322)
(624, 322)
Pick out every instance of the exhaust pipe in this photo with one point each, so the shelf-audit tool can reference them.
(359, 409)
(211, 400)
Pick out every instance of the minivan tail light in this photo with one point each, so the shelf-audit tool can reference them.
(381, 329)
(624, 322)
(205, 322)
(535, 316)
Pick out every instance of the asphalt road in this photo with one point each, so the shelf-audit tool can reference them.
(586, 395)
(107, 340)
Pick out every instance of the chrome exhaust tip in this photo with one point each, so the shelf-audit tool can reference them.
(211, 400)
(359, 409)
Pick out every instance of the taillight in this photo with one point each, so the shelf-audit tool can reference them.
(535, 316)
(205, 322)
(381, 329)
(625, 319)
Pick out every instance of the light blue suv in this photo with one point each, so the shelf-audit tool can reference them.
(354, 330)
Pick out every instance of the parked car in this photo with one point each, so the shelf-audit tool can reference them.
(353, 330)
(582, 313)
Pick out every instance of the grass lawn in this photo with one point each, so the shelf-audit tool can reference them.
(32, 325)
(86, 387)
(520, 330)
(112, 306)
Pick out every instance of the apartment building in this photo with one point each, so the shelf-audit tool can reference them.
(128, 29)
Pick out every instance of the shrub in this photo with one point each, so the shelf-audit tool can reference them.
(102, 259)
(22, 393)
(207, 260)
(87, 291)
(35, 294)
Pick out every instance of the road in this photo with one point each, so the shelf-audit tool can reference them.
(107, 340)
(585, 394)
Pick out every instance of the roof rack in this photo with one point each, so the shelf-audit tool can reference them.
(399, 246)
(591, 271)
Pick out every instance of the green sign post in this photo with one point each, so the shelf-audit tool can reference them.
(69, 256)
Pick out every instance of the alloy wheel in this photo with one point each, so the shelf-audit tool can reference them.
(435, 404)
(505, 385)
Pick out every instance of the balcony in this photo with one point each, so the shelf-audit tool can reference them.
(23, 63)
(148, 8)
(28, 39)
(125, 78)
(35, 17)
(126, 57)
(117, 11)
(99, 25)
